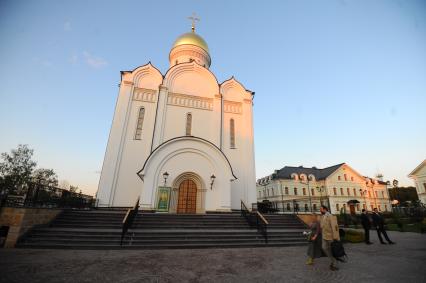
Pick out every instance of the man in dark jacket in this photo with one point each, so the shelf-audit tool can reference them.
(365, 221)
(379, 223)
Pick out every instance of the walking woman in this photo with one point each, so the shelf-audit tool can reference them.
(315, 240)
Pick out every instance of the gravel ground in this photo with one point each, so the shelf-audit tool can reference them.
(403, 262)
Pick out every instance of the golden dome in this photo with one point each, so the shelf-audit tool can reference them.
(191, 38)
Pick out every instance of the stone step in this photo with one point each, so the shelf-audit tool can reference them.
(162, 246)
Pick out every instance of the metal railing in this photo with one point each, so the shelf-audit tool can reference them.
(42, 196)
(128, 220)
(255, 219)
(292, 206)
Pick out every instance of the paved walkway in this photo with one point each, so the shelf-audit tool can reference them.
(404, 262)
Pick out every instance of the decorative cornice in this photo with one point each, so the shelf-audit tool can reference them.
(232, 107)
(128, 83)
(191, 101)
(248, 101)
(144, 94)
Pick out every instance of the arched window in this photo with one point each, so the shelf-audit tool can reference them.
(312, 191)
(341, 191)
(188, 124)
(232, 132)
(354, 192)
(306, 207)
(337, 206)
(335, 191)
(349, 191)
(138, 133)
(295, 191)
(314, 206)
(288, 206)
(304, 191)
(286, 190)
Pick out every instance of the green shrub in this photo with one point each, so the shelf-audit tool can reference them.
(353, 236)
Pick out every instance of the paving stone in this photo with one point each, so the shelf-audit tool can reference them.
(403, 262)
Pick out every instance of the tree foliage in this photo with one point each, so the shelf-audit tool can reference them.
(45, 177)
(17, 167)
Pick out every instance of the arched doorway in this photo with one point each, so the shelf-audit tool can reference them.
(187, 197)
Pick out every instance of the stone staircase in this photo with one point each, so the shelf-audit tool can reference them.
(100, 229)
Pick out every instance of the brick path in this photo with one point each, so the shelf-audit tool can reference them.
(403, 262)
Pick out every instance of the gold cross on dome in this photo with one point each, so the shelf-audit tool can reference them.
(193, 18)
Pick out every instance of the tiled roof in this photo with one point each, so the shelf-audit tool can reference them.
(320, 174)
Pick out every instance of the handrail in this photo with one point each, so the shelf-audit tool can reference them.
(129, 219)
(255, 219)
(262, 217)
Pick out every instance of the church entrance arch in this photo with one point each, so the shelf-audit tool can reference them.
(187, 197)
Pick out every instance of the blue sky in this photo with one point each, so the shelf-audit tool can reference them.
(335, 81)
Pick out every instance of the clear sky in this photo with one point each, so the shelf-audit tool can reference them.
(335, 81)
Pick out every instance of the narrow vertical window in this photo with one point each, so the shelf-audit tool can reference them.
(138, 133)
(188, 124)
(232, 132)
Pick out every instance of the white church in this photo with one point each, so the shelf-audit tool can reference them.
(181, 141)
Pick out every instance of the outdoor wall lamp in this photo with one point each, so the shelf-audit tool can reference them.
(165, 176)
(212, 178)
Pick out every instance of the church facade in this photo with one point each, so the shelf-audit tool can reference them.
(181, 141)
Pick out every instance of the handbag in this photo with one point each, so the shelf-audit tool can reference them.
(338, 251)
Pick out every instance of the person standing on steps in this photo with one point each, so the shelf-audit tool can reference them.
(315, 241)
(366, 224)
(379, 223)
(330, 233)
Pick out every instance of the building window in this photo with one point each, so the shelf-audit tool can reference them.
(364, 206)
(346, 177)
(349, 191)
(188, 124)
(338, 178)
(424, 186)
(314, 206)
(313, 192)
(341, 191)
(232, 132)
(138, 133)
(357, 206)
(286, 190)
(337, 207)
(354, 192)
(344, 207)
(306, 207)
(288, 206)
(335, 191)
(295, 191)
(380, 208)
(304, 191)
(352, 179)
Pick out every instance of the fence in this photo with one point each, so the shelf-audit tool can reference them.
(292, 206)
(38, 195)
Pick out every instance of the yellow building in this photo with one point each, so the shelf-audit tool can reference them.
(340, 187)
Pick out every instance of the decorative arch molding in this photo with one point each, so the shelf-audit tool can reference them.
(142, 72)
(189, 176)
(141, 172)
(176, 71)
(231, 86)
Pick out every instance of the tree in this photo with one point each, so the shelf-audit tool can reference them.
(64, 184)
(73, 189)
(17, 167)
(46, 177)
